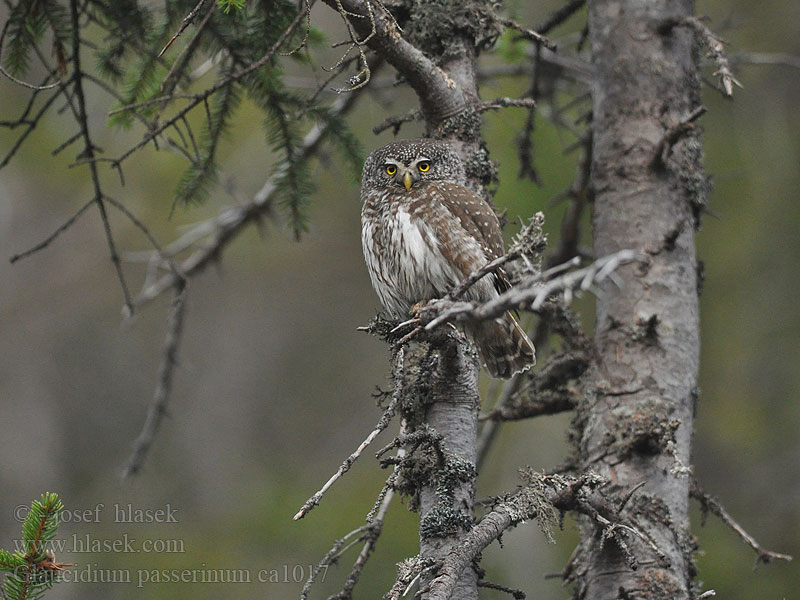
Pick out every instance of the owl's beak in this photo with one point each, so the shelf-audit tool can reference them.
(407, 182)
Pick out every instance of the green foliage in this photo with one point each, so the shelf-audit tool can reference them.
(196, 180)
(32, 570)
(150, 50)
(340, 134)
(128, 25)
(227, 5)
(26, 26)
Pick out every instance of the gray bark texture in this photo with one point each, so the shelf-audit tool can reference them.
(446, 85)
(448, 501)
(636, 424)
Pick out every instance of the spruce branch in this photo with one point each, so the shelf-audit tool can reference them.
(224, 228)
(32, 570)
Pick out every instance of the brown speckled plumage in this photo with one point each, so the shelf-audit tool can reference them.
(424, 232)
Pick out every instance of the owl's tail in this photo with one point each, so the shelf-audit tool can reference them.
(503, 346)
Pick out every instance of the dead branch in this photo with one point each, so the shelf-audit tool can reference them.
(506, 102)
(709, 503)
(375, 520)
(528, 295)
(158, 407)
(396, 122)
(332, 556)
(224, 228)
(382, 424)
(715, 50)
(543, 495)
(530, 34)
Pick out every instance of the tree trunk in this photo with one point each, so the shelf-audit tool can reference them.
(453, 412)
(637, 423)
(446, 503)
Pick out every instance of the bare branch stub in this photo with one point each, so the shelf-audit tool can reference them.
(715, 48)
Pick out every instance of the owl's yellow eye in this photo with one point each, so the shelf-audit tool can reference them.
(390, 169)
(424, 166)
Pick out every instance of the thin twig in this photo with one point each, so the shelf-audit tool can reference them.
(185, 55)
(158, 406)
(382, 424)
(89, 148)
(396, 122)
(710, 503)
(530, 34)
(329, 558)
(30, 86)
(187, 20)
(47, 241)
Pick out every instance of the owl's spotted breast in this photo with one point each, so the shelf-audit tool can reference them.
(417, 250)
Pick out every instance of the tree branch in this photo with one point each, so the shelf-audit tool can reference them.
(224, 228)
(529, 294)
(439, 95)
(709, 503)
(158, 407)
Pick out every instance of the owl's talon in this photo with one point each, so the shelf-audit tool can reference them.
(412, 321)
(407, 337)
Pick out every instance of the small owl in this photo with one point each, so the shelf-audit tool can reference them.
(424, 232)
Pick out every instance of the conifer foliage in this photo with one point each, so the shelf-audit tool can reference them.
(32, 569)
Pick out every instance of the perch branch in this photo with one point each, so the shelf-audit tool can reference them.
(528, 295)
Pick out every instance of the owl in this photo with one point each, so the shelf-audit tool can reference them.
(423, 232)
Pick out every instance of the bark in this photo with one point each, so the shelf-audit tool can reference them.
(447, 89)
(446, 503)
(637, 425)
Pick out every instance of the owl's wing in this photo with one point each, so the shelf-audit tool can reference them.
(475, 216)
(479, 221)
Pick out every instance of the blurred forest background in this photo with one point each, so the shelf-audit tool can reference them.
(274, 385)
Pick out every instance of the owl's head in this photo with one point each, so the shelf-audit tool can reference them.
(404, 163)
